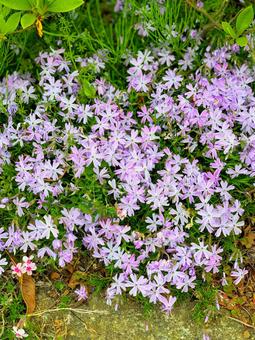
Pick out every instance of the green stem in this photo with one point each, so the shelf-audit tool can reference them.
(55, 34)
(252, 51)
(205, 13)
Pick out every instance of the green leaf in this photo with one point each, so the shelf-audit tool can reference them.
(228, 29)
(244, 19)
(242, 41)
(41, 6)
(58, 6)
(20, 5)
(4, 11)
(2, 25)
(12, 22)
(39, 3)
(27, 20)
(88, 89)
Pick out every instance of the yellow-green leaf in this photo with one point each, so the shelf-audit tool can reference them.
(244, 19)
(2, 26)
(27, 20)
(242, 41)
(228, 29)
(20, 5)
(12, 22)
(59, 6)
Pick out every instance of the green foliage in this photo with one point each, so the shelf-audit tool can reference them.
(88, 89)
(98, 282)
(205, 303)
(65, 301)
(11, 306)
(43, 6)
(228, 29)
(34, 11)
(10, 24)
(58, 6)
(242, 41)
(116, 36)
(20, 5)
(243, 21)
(176, 18)
(27, 20)
(59, 285)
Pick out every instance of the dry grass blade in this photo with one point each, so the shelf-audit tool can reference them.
(76, 310)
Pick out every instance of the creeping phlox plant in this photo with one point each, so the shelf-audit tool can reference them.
(172, 152)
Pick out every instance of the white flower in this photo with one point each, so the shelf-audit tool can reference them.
(47, 227)
(19, 333)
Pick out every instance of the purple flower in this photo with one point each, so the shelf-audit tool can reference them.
(81, 293)
(137, 285)
(47, 228)
(167, 304)
(165, 157)
(238, 273)
(172, 79)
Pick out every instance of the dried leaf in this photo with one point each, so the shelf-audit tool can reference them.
(70, 268)
(76, 278)
(27, 287)
(54, 276)
(248, 240)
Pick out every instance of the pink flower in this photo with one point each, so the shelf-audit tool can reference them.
(18, 269)
(29, 265)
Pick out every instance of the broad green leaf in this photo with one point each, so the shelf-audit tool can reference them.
(228, 29)
(27, 20)
(12, 22)
(20, 5)
(2, 25)
(4, 11)
(58, 6)
(242, 41)
(41, 6)
(244, 19)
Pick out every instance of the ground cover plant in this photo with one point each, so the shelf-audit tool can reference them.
(129, 137)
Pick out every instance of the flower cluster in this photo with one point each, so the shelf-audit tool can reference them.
(27, 266)
(166, 152)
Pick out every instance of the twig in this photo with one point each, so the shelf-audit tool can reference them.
(247, 312)
(81, 311)
(11, 258)
(243, 323)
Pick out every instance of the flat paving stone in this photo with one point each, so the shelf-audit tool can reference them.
(95, 320)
